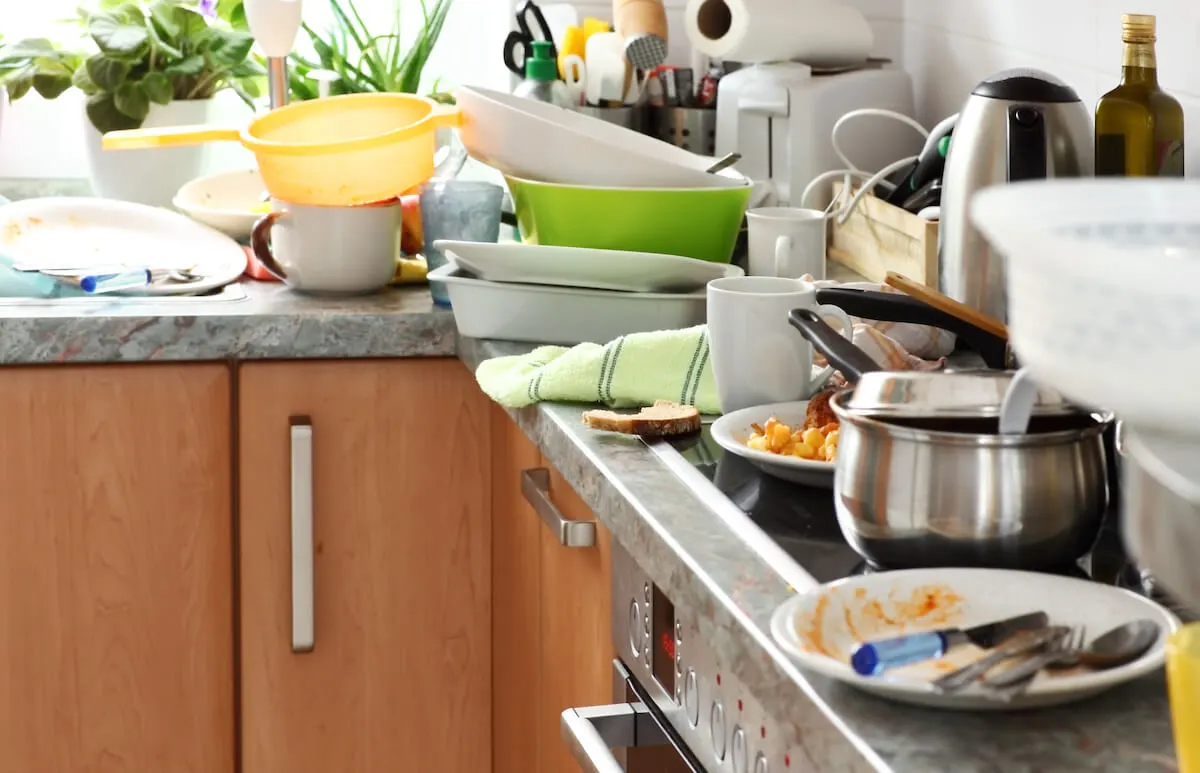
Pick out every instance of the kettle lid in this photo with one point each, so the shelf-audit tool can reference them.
(1026, 85)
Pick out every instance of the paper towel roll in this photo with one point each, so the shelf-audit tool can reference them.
(816, 32)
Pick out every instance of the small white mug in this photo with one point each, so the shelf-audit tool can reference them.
(787, 242)
(757, 356)
(335, 250)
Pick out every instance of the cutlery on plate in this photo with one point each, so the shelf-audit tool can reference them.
(1117, 647)
(1022, 643)
(874, 657)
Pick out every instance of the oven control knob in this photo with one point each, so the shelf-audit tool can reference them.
(691, 698)
(635, 628)
(716, 730)
(740, 760)
(760, 764)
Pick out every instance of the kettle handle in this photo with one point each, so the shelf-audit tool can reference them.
(1026, 144)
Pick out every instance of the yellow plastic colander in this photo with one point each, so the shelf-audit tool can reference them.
(338, 151)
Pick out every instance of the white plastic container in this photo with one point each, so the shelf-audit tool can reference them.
(561, 315)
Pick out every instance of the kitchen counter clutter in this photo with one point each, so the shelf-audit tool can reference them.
(699, 559)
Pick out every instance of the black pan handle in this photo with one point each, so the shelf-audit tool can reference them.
(839, 350)
(897, 307)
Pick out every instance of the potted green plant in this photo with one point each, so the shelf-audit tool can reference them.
(363, 60)
(154, 63)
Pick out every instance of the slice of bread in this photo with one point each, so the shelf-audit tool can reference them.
(659, 420)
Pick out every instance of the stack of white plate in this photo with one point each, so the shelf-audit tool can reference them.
(569, 295)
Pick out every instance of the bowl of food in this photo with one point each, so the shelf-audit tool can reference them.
(796, 441)
(230, 202)
(541, 141)
(698, 223)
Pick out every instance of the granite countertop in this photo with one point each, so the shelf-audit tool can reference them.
(700, 560)
(267, 321)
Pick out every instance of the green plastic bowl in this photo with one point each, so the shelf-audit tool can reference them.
(694, 222)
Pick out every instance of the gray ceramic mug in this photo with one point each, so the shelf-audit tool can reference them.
(334, 250)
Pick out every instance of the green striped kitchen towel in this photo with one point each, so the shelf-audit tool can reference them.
(632, 371)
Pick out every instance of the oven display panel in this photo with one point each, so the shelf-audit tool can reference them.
(662, 630)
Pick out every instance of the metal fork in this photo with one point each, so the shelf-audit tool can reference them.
(1013, 682)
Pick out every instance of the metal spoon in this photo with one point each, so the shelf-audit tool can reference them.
(724, 162)
(1123, 644)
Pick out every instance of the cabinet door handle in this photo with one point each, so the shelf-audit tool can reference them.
(303, 637)
(535, 487)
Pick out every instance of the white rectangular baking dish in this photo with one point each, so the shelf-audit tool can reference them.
(561, 315)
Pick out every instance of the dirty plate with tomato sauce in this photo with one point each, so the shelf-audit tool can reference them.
(820, 628)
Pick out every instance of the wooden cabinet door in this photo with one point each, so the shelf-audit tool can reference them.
(576, 628)
(516, 618)
(398, 677)
(116, 600)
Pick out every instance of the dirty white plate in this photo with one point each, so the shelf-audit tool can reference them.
(636, 272)
(732, 430)
(819, 628)
(81, 233)
(230, 202)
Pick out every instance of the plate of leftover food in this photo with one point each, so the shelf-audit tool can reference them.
(635, 272)
(794, 441)
(944, 638)
(77, 237)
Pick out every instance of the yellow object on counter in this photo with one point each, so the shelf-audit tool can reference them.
(410, 271)
(592, 25)
(574, 43)
(1183, 684)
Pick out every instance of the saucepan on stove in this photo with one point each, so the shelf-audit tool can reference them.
(924, 479)
(994, 350)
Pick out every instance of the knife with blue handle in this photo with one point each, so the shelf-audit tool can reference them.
(875, 657)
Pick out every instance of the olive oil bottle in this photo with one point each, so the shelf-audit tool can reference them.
(1139, 127)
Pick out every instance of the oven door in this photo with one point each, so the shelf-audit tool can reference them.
(626, 737)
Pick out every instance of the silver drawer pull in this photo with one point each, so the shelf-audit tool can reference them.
(535, 487)
(303, 636)
(594, 731)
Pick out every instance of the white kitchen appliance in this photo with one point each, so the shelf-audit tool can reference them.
(780, 117)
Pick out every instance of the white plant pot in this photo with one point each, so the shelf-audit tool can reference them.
(150, 176)
(3, 104)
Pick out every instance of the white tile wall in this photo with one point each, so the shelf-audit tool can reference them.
(950, 45)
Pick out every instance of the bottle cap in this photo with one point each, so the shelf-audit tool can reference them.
(1138, 28)
(539, 65)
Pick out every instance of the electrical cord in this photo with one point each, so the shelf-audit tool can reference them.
(841, 208)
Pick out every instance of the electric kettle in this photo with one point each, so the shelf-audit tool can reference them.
(1017, 125)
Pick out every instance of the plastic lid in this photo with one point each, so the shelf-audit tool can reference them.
(539, 65)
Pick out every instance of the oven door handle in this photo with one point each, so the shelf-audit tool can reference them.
(593, 732)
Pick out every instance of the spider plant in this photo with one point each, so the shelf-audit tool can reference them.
(363, 61)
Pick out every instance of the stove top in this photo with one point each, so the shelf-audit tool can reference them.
(801, 521)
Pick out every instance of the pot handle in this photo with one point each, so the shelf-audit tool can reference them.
(841, 352)
(895, 307)
(260, 243)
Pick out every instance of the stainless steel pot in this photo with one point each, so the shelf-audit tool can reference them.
(1161, 514)
(933, 488)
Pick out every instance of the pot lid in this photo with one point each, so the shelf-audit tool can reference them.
(933, 394)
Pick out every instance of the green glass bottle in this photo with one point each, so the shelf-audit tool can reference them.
(1139, 127)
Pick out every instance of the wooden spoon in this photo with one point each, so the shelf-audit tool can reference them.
(947, 304)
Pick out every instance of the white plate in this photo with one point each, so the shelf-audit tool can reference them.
(732, 430)
(636, 272)
(78, 233)
(815, 628)
(226, 201)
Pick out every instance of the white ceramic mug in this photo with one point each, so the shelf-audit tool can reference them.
(787, 242)
(336, 250)
(757, 356)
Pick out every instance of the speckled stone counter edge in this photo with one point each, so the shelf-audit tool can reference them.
(702, 562)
